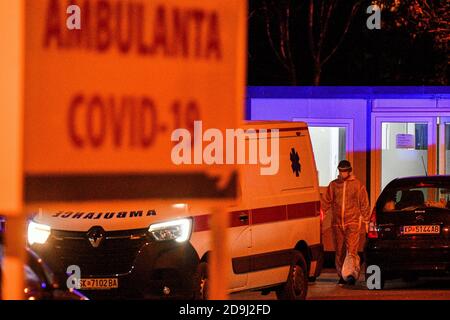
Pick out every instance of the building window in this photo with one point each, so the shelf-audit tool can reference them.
(329, 146)
(421, 132)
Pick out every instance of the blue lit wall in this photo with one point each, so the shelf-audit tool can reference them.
(358, 105)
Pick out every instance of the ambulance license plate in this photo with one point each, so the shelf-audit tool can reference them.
(99, 283)
(421, 229)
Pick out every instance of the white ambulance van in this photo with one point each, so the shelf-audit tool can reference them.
(159, 249)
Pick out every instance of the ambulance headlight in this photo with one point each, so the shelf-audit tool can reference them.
(38, 233)
(178, 230)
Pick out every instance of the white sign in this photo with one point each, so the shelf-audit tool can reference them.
(405, 141)
(102, 100)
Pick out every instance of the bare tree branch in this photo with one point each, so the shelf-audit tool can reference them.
(288, 44)
(311, 28)
(269, 35)
(324, 32)
(344, 33)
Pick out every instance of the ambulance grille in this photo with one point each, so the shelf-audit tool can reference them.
(115, 254)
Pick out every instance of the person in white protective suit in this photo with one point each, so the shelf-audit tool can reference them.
(347, 201)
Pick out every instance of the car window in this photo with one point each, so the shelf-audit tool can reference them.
(411, 198)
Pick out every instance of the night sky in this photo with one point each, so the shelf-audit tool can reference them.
(366, 57)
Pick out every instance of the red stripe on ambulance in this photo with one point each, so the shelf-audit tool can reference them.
(264, 215)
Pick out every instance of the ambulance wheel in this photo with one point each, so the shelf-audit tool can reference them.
(200, 280)
(296, 286)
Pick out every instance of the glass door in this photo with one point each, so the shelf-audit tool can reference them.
(332, 141)
(404, 150)
(444, 145)
(401, 147)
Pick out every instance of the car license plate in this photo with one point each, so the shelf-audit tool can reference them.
(99, 283)
(421, 229)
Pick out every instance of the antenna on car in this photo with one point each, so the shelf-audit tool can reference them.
(424, 168)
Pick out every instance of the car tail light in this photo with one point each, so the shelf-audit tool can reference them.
(373, 231)
(322, 216)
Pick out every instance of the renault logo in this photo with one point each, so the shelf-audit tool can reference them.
(96, 236)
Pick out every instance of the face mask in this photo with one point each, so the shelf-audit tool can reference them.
(344, 175)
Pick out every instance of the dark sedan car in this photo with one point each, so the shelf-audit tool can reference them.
(409, 229)
(40, 282)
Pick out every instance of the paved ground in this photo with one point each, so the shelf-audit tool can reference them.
(325, 288)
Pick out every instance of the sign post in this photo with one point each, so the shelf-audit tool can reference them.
(11, 106)
(220, 256)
